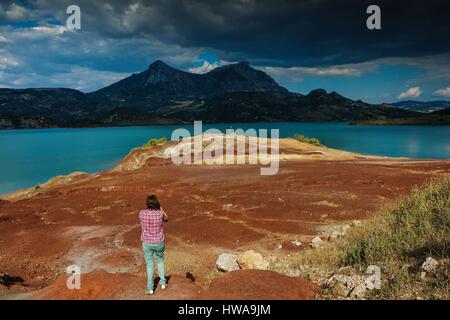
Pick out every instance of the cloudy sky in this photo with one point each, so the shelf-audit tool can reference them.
(302, 44)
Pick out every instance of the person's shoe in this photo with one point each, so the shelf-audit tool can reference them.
(164, 286)
(149, 291)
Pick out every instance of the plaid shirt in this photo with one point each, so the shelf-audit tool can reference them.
(152, 226)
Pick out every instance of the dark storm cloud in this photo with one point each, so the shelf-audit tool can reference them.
(308, 33)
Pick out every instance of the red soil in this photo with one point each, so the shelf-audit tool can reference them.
(259, 285)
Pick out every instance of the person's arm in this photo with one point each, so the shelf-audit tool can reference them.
(165, 217)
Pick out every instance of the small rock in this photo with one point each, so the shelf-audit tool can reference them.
(280, 246)
(355, 223)
(324, 234)
(339, 290)
(337, 287)
(358, 292)
(423, 275)
(345, 228)
(293, 273)
(430, 265)
(296, 243)
(316, 242)
(227, 206)
(252, 260)
(227, 262)
(335, 235)
(343, 285)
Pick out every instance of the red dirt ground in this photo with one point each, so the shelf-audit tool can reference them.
(92, 221)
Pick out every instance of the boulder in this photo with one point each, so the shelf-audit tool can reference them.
(430, 265)
(316, 242)
(252, 260)
(227, 262)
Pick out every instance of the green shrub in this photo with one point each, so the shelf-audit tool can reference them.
(155, 142)
(302, 138)
(417, 226)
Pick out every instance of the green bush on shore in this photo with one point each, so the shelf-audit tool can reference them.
(302, 138)
(155, 142)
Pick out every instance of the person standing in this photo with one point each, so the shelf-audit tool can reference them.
(152, 237)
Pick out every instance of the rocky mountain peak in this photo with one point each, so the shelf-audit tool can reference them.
(159, 71)
(317, 92)
(158, 65)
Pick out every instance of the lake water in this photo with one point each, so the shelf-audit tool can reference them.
(30, 157)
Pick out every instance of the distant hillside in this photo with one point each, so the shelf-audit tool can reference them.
(162, 94)
(422, 106)
(318, 105)
(443, 112)
(440, 117)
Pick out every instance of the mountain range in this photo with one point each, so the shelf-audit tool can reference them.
(422, 106)
(162, 94)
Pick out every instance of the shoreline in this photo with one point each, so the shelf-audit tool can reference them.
(69, 177)
(74, 176)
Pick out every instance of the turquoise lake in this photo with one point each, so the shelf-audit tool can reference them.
(30, 157)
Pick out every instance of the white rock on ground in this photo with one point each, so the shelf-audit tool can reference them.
(430, 265)
(227, 262)
(228, 206)
(293, 273)
(342, 285)
(335, 235)
(316, 242)
(345, 228)
(252, 260)
(355, 223)
(296, 243)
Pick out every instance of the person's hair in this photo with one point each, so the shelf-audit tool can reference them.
(153, 203)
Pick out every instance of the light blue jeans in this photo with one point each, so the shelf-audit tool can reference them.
(158, 250)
